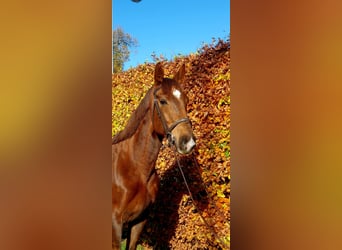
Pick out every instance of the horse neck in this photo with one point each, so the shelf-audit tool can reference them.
(147, 145)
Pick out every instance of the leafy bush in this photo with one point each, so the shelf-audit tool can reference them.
(174, 222)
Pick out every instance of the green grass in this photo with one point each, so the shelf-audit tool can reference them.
(123, 246)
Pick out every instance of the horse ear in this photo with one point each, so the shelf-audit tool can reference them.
(158, 73)
(179, 76)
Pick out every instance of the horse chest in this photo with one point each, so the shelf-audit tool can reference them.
(143, 195)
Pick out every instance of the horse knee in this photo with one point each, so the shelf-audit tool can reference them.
(116, 234)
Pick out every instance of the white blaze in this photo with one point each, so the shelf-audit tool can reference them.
(176, 93)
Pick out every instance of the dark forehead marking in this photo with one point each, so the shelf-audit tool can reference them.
(168, 84)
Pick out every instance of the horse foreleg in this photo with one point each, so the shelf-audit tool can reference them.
(134, 233)
(116, 233)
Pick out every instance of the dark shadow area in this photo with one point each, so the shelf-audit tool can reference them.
(163, 218)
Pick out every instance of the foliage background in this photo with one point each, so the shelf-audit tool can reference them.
(174, 222)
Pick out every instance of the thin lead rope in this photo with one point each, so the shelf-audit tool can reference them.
(205, 188)
(193, 201)
(171, 143)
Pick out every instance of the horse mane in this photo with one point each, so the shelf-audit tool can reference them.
(134, 121)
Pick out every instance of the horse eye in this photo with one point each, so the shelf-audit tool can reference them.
(163, 102)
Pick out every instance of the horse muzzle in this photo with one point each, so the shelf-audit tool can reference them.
(185, 144)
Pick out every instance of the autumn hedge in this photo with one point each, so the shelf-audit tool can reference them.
(175, 223)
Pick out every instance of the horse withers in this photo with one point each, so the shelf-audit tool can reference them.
(161, 113)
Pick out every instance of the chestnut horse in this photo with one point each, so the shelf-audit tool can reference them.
(161, 113)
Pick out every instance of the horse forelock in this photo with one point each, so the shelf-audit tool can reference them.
(169, 85)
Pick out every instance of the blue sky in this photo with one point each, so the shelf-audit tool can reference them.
(170, 27)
